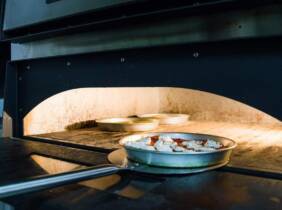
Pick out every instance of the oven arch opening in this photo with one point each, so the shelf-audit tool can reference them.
(82, 104)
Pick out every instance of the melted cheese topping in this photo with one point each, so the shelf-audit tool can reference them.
(167, 144)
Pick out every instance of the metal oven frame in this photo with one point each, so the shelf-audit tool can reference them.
(239, 57)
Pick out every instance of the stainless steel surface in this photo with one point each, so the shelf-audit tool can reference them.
(251, 23)
(118, 157)
(180, 159)
(23, 13)
(50, 181)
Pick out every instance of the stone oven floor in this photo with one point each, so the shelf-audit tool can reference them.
(259, 146)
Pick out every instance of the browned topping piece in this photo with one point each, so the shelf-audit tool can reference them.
(154, 139)
(178, 141)
(203, 142)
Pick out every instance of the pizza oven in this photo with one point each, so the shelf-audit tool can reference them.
(73, 63)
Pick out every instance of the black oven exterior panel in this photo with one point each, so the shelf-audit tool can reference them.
(20, 14)
(247, 71)
(2, 78)
(261, 22)
(4, 57)
(49, 18)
